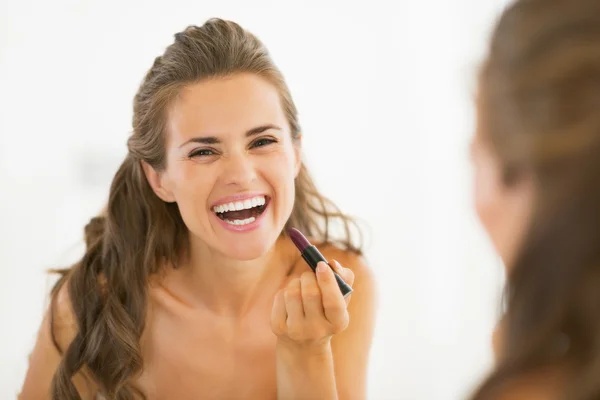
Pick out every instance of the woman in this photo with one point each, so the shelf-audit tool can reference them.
(188, 288)
(537, 188)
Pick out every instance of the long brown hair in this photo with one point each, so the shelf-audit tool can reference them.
(540, 100)
(138, 233)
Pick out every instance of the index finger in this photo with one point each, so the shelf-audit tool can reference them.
(334, 304)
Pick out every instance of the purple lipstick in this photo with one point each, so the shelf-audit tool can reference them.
(313, 256)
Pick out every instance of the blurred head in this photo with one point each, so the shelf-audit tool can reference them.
(537, 189)
(213, 162)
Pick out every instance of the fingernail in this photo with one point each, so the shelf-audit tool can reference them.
(321, 267)
(336, 266)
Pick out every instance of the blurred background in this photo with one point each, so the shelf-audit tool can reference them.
(385, 94)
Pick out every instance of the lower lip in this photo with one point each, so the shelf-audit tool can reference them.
(243, 228)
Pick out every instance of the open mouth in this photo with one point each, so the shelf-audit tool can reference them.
(242, 212)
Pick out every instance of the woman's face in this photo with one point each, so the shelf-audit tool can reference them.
(504, 210)
(231, 164)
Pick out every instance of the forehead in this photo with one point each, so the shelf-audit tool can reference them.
(225, 106)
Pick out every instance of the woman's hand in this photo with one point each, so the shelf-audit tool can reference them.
(310, 309)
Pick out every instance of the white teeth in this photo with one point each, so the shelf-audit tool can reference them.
(240, 205)
(241, 222)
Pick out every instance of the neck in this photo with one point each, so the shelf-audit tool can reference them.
(232, 287)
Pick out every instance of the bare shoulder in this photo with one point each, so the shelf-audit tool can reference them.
(55, 334)
(63, 324)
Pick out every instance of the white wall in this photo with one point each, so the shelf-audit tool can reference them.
(384, 91)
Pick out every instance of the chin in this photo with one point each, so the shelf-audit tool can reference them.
(248, 250)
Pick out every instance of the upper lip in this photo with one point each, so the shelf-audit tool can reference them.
(236, 197)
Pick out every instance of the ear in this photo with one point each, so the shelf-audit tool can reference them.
(297, 155)
(158, 182)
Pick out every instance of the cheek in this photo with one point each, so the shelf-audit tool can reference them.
(280, 164)
(279, 170)
(191, 187)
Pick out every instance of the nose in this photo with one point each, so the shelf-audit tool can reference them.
(239, 170)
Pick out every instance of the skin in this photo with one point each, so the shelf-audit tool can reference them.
(244, 316)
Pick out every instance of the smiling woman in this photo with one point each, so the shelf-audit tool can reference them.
(230, 142)
(175, 295)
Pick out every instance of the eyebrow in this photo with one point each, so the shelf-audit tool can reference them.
(214, 140)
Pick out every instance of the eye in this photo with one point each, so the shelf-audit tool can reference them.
(262, 142)
(202, 153)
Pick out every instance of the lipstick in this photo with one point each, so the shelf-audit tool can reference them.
(313, 256)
